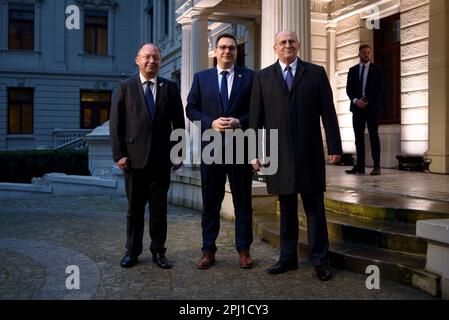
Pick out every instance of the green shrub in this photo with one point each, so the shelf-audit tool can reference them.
(22, 166)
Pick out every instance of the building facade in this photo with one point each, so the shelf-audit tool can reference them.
(58, 69)
(61, 79)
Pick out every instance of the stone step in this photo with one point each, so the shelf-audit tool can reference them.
(383, 206)
(407, 269)
(392, 235)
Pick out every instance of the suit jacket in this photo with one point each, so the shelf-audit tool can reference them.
(134, 133)
(296, 115)
(204, 104)
(374, 88)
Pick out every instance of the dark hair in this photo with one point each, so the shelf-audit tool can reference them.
(225, 35)
(364, 46)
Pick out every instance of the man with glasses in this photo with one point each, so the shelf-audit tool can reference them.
(292, 96)
(144, 111)
(219, 99)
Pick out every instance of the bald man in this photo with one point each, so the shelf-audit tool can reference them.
(292, 96)
(144, 111)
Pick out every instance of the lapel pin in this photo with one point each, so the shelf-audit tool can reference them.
(240, 75)
(161, 84)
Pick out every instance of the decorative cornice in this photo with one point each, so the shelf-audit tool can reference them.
(97, 4)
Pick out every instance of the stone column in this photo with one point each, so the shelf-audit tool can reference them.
(252, 59)
(296, 17)
(439, 86)
(271, 24)
(199, 61)
(199, 42)
(331, 56)
(186, 71)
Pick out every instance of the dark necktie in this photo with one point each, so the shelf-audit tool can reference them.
(149, 98)
(224, 91)
(361, 80)
(289, 78)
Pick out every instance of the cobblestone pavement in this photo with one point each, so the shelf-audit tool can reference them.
(39, 238)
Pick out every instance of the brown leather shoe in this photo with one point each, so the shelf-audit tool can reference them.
(246, 262)
(206, 261)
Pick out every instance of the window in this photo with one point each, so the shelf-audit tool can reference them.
(20, 110)
(95, 106)
(166, 16)
(21, 27)
(387, 53)
(96, 32)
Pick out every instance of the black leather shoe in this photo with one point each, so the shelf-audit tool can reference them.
(161, 261)
(323, 272)
(375, 172)
(355, 170)
(128, 261)
(279, 268)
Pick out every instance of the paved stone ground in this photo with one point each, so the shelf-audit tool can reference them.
(39, 238)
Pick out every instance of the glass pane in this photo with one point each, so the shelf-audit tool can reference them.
(18, 14)
(391, 32)
(91, 96)
(102, 41)
(14, 38)
(87, 118)
(89, 40)
(27, 36)
(103, 116)
(21, 96)
(14, 119)
(97, 18)
(27, 118)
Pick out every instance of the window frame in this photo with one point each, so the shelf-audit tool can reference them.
(9, 89)
(23, 8)
(96, 27)
(95, 106)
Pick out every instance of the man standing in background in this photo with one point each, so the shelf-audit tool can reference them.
(365, 89)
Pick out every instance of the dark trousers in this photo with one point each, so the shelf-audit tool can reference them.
(213, 180)
(316, 228)
(149, 185)
(359, 119)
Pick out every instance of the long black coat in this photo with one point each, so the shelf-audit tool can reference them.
(134, 133)
(296, 115)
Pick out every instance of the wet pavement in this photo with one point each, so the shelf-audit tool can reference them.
(40, 238)
(417, 185)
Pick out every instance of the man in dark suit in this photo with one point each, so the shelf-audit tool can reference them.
(365, 88)
(144, 111)
(291, 96)
(219, 99)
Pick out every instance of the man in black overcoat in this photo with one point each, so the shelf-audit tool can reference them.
(292, 96)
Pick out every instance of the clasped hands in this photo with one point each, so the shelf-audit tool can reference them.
(221, 124)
